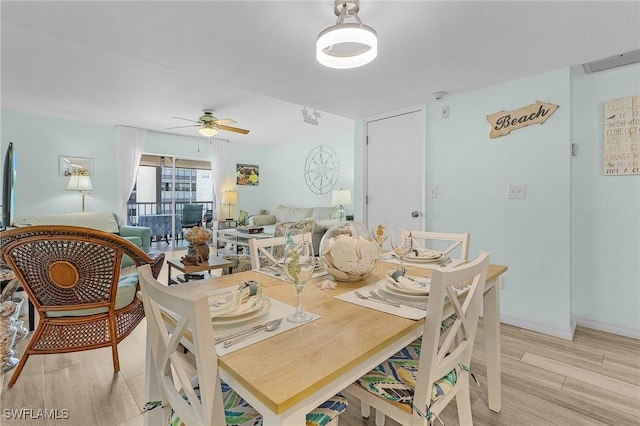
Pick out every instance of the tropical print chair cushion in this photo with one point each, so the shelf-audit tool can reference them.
(238, 412)
(393, 379)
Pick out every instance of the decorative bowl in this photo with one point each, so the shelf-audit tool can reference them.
(348, 251)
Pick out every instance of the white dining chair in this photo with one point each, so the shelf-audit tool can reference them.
(203, 399)
(416, 384)
(426, 239)
(267, 248)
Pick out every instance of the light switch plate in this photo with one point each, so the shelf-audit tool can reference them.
(517, 192)
(433, 192)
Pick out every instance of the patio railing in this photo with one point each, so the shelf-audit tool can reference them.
(135, 210)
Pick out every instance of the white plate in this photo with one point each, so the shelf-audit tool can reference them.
(385, 287)
(243, 318)
(433, 257)
(253, 304)
(410, 287)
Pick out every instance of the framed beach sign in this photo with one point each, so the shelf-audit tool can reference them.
(75, 166)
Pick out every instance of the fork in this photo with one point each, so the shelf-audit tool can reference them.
(386, 302)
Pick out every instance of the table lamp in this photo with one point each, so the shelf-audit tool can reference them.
(229, 197)
(341, 197)
(80, 183)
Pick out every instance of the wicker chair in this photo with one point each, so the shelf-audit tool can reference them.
(72, 276)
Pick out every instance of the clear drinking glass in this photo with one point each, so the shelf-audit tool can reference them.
(380, 233)
(401, 243)
(299, 263)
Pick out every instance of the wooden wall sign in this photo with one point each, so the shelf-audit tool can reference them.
(622, 137)
(503, 122)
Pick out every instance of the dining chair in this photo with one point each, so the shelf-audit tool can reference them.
(72, 276)
(416, 384)
(204, 399)
(271, 249)
(428, 240)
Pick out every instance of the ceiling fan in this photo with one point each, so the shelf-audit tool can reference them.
(210, 124)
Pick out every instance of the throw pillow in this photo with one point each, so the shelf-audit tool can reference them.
(323, 213)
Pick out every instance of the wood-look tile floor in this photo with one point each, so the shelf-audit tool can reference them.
(592, 380)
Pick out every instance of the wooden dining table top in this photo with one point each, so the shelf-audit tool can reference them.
(283, 370)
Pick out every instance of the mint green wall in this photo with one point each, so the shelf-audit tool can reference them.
(472, 171)
(39, 141)
(606, 212)
(40, 190)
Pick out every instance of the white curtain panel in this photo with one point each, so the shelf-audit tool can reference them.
(219, 156)
(129, 148)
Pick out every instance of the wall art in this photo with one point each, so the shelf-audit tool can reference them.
(621, 154)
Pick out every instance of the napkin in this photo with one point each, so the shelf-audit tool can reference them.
(426, 254)
(409, 283)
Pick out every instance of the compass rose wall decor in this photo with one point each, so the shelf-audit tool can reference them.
(321, 169)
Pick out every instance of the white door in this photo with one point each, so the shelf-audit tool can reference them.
(395, 170)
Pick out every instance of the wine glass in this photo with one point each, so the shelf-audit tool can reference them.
(401, 244)
(380, 233)
(299, 263)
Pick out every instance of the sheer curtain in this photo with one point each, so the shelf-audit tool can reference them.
(129, 147)
(218, 155)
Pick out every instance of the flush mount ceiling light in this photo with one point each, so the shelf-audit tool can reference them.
(349, 45)
(208, 130)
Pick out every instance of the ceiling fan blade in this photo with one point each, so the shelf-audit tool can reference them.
(224, 122)
(233, 129)
(181, 127)
(187, 119)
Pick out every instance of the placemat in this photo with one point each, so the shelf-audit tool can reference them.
(278, 310)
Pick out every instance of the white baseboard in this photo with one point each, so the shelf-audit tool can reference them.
(609, 328)
(563, 333)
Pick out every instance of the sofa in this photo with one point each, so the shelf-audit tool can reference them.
(321, 218)
(103, 221)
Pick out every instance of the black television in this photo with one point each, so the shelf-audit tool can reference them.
(9, 186)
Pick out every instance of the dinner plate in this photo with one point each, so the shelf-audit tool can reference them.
(252, 304)
(428, 256)
(385, 287)
(410, 284)
(228, 320)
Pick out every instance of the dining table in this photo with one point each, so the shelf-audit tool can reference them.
(288, 374)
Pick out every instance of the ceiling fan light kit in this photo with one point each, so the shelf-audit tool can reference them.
(208, 130)
(345, 46)
(209, 124)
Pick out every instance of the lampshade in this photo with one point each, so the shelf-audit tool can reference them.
(341, 197)
(229, 197)
(208, 130)
(343, 45)
(79, 183)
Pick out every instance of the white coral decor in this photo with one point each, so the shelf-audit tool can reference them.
(197, 235)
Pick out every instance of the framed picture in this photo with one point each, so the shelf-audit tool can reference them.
(75, 165)
(247, 174)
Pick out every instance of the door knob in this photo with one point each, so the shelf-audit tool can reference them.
(415, 213)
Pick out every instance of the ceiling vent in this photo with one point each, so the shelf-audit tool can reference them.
(612, 62)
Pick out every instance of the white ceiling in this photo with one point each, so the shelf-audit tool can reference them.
(138, 63)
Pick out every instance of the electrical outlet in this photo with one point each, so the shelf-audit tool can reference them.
(516, 192)
(433, 192)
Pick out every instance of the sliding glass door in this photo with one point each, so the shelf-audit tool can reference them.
(163, 187)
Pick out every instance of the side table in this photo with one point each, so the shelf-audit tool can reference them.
(214, 262)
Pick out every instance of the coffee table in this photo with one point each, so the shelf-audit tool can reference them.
(214, 262)
(239, 238)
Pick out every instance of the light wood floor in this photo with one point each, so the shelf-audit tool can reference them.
(593, 380)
